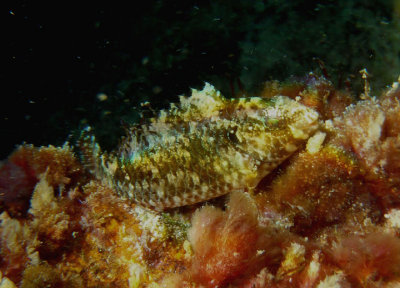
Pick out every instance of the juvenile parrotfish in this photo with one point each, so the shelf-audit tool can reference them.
(204, 147)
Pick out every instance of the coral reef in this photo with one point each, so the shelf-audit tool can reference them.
(327, 216)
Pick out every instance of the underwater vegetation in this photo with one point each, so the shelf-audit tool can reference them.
(320, 206)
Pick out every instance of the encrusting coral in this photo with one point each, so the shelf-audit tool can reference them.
(327, 216)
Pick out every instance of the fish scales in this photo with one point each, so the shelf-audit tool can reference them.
(204, 147)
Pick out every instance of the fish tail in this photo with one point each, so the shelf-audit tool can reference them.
(98, 163)
(90, 151)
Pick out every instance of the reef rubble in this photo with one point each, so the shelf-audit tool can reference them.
(328, 216)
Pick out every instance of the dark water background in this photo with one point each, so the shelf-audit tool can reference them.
(67, 65)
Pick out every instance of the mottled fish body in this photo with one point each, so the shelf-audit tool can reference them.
(204, 147)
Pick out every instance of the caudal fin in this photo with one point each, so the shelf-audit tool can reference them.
(90, 152)
(98, 163)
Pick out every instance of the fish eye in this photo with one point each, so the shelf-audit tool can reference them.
(273, 121)
(232, 135)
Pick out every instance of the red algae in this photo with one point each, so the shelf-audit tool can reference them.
(316, 189)
(365, 259)
(15, 195)
(313, 91)
(22, 170)
(329, 216)
(228, 244)
(370, 130)
(60, 164)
